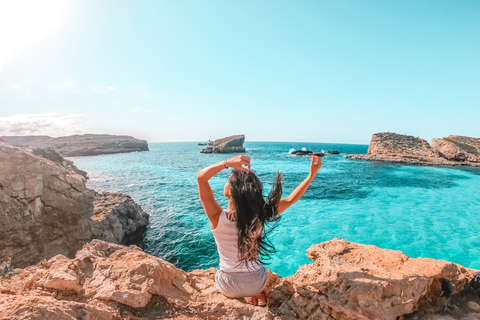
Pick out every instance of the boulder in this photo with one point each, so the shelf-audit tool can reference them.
(232, 144)
(346, 281)
(118, 218)
(82, 145)
(46, 209)
(458, 148)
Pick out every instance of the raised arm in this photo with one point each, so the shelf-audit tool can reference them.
(211, 207)
(300, 190)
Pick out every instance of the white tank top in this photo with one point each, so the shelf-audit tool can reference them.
(226, 238)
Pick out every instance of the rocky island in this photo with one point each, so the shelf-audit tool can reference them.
(398, 148)
(46, 208)
(81, 145)
(232, 144)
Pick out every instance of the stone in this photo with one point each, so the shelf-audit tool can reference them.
(473, 307)
(119, 217)
(458, 148)
(346, 281)
(232, 144)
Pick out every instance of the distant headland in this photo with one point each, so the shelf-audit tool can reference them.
(81, 145)
(399, 148)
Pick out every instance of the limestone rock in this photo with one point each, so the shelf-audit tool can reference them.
(82, 145)
(458, 148)
(118, 218)
(398, 148)
(232, 144)
(346, 281)
(46, 209)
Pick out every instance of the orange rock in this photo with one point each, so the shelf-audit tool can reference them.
(345, 281)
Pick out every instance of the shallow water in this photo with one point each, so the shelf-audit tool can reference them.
(422, 211)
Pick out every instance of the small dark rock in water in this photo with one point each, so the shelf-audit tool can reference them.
(302, 152)
(320, 154)
(332, 152)
(202, 143)
(305, 152)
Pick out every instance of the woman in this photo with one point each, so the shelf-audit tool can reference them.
(239, 230)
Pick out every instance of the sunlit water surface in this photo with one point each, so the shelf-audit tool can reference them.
(422, 211)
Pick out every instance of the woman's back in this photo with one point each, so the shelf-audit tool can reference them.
(226, 238)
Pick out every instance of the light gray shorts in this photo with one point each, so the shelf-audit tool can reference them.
(241, 284)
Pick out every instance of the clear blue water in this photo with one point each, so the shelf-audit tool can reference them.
(422, 211)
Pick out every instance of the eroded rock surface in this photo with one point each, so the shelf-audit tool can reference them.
(399, 148)
(46, 209)
(232, 144)
(82, 145)
(118, 218)
(346, 281)
(458, 148)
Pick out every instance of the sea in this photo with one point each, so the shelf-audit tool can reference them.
(422, 211)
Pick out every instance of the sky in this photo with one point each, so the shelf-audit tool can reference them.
(274, 70)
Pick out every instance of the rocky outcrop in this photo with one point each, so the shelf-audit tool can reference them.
(458, 148)
(54, 156)
(82, 145)
(398, 148)
(118, 218)
(232, 144)
(346, 281)
(46, 209)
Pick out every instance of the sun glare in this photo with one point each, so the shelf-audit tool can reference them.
(24, 22)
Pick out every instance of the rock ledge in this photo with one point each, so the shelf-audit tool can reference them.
(346, 281)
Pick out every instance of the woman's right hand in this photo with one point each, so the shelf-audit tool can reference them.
(237, 162)
(315, 165)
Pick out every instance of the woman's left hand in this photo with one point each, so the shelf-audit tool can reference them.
(238, 162)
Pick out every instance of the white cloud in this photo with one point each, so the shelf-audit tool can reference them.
(102, 89)
(50, 124)
(65, 85)
(142, 92)
(16, 87)
(134, 110)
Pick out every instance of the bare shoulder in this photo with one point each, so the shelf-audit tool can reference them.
(214, 218)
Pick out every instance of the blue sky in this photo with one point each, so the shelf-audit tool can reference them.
(320, 71)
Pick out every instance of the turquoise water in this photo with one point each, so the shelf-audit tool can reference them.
(422, 211)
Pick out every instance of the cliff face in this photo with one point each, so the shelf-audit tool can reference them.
(82, 145)
(398, 148)
(346, 281)
(232, 144)
(458, 148)
(46, 209)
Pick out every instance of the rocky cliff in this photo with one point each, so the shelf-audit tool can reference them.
(398, 148)
(346, 281)
(458, 148)
(232, 144)
(46, 209)
(82, 145)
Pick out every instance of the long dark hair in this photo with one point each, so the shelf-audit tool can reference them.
(253, 211)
